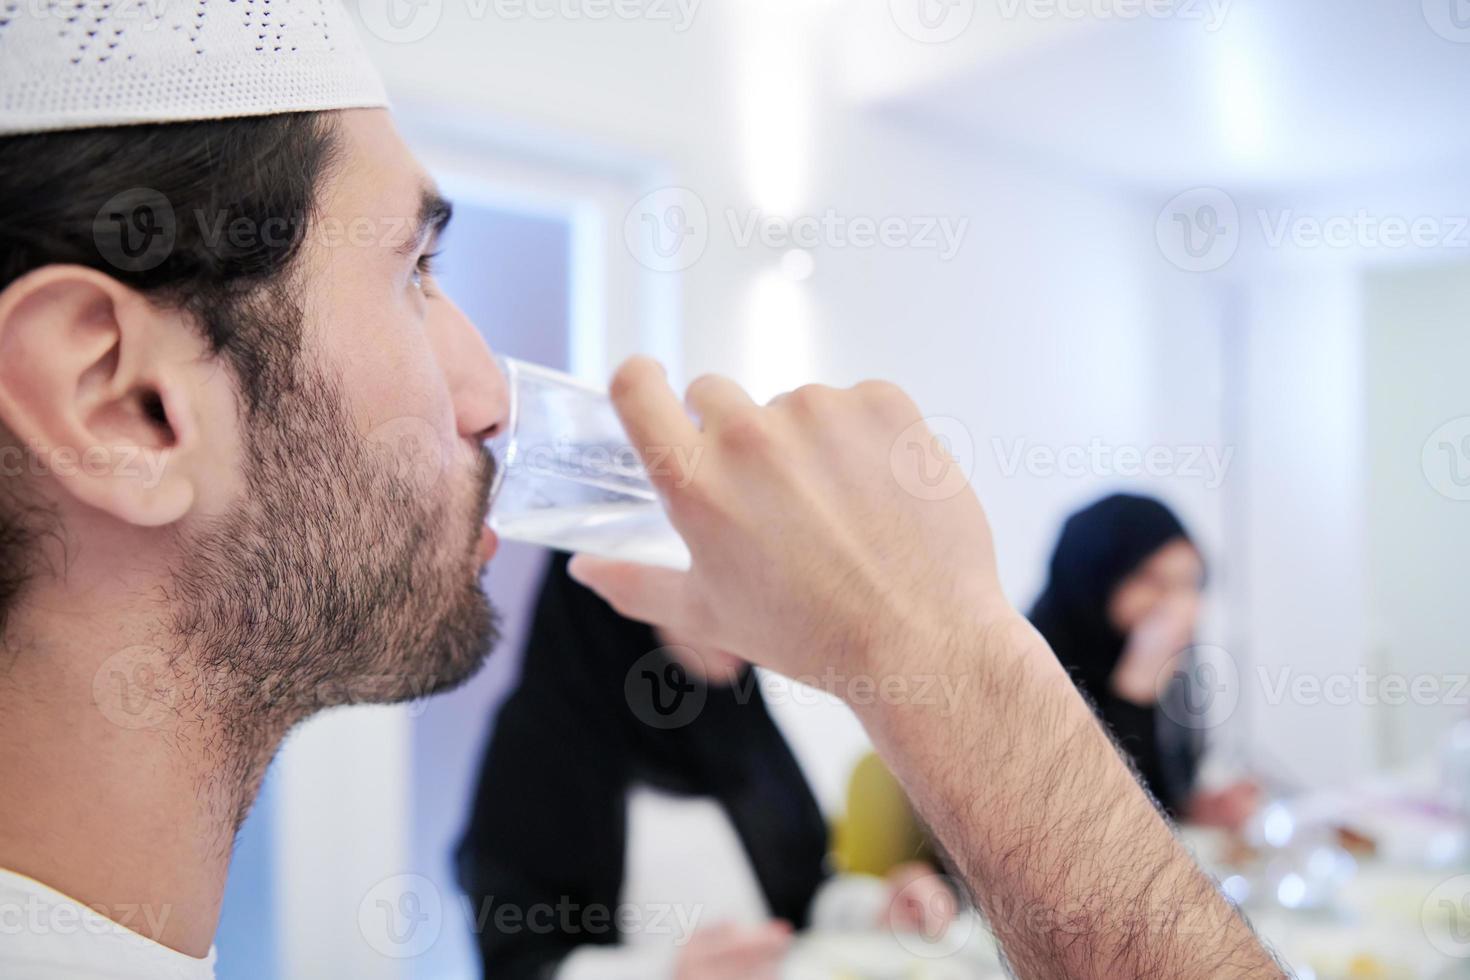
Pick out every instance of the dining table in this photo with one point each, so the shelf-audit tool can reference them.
(1371, 882)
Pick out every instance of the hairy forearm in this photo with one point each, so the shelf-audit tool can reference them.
(1075, 870)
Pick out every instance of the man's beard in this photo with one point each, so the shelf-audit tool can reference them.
(347, 575)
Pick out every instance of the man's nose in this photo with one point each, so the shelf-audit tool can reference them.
(477, 386)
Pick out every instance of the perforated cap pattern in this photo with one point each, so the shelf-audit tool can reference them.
(67, 64)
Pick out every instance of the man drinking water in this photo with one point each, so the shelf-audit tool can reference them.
(209, 532)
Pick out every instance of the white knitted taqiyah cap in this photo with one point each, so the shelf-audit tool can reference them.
(69, 64)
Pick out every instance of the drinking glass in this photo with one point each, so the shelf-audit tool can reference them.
(567, 477)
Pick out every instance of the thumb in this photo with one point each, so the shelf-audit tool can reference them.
(642, 592)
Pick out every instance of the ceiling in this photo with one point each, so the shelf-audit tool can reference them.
(1281, 93)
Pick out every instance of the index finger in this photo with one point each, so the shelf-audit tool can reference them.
(651, 413)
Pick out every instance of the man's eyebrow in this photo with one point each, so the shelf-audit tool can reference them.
(435, 211)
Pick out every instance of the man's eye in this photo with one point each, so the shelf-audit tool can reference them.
(423, 269)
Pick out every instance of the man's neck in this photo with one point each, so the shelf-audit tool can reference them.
(133, 786)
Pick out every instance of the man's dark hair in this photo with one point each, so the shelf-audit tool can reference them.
(204, 217)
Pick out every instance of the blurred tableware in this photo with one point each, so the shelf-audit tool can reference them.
(967, 952)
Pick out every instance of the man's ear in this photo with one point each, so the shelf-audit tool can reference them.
(92, 387)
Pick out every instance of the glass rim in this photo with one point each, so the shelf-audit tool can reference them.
(509, 369)
(513, 369)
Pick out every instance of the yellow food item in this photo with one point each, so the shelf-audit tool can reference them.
(880, 830)
(1366, 967)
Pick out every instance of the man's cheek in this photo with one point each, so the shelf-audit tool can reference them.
(393, 373)
(411, 452)
(472, 472)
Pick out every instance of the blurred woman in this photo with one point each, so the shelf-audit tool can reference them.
(1121, 602)
(640, 816)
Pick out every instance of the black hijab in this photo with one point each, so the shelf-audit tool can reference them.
(1100, 546)
(550, 817)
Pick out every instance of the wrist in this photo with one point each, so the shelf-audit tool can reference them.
(963, 659)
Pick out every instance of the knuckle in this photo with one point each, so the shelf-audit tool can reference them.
(812, 399)
(631, 375)
(886, 397)
(746, 430)
(699, 384)
(687, 498)
(878, 390)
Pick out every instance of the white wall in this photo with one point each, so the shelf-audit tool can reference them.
(342, 843)
(1329, 356)
(1417, 325)
(1299, 530)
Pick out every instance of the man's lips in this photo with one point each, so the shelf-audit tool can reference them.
(488, 543)
(486, 467)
